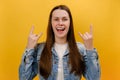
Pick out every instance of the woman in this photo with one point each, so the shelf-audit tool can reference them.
(60, 57)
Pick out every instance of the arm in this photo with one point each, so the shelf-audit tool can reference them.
(92, 66)
(91, 61)
(28, 68)
(90, 56)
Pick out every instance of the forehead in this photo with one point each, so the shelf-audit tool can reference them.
(60, 13)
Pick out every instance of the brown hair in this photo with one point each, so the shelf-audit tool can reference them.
(75, 59)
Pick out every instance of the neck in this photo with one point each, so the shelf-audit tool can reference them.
(60, 40)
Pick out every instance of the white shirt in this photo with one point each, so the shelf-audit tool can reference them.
(60, 49)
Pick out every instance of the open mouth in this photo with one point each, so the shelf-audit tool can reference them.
(60, 29)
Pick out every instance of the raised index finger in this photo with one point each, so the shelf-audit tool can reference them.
(31, 30)
(91, 29)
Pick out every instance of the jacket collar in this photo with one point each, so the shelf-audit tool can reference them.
(55, 53)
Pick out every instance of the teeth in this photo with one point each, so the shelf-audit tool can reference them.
(59, 28)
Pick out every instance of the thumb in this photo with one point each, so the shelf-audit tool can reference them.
(40, 34)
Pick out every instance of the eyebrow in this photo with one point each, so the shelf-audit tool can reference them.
(62, 17)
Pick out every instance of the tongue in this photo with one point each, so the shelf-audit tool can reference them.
(60, 30)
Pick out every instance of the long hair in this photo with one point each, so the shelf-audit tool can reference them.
(75, 59)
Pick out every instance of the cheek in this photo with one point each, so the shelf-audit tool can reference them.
(54, 24)
(68, 25)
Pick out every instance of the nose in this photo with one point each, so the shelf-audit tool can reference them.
(60, 22)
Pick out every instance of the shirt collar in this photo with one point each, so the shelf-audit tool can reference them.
(55, 53)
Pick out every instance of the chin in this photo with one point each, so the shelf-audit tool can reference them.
(62, 36)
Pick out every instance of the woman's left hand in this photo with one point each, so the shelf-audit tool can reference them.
(87, 38)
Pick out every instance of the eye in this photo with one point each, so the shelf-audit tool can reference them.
(64, 19)
(56, 19)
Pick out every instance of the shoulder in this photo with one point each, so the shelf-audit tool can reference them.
(40, 47)
(80, 47)
(83, 51)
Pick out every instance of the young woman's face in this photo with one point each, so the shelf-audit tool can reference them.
(60, 23)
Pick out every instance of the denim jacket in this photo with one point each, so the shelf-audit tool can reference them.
(29, 65)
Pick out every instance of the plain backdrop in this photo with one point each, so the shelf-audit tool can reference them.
(17, 17)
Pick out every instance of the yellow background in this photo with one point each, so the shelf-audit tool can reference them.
(17, 17)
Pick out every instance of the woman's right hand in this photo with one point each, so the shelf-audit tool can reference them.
(33, 39)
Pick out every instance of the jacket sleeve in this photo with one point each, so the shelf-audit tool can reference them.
(92, 66)
(28, 68)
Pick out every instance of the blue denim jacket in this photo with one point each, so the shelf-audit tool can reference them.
(29, 65)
